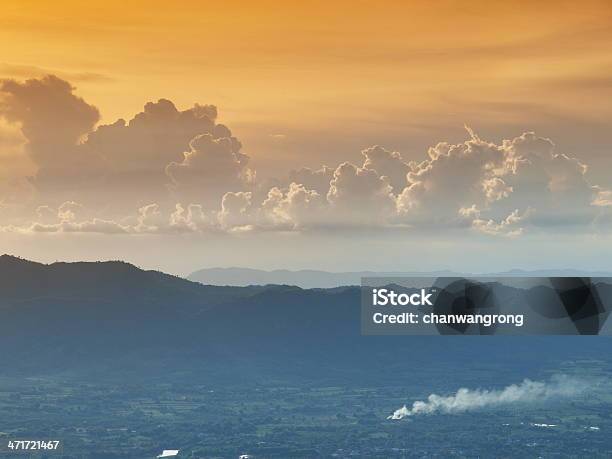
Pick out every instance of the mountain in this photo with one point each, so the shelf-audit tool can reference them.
(307, 278)
(114, 320)
(241, 277)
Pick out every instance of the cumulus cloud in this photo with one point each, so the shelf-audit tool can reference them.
(150, 219)
(509, 226)
(210, 168)
(49, 112)
(184, 171)
(53, 121)
(13, 160)
(453, 177)
(73, 158)
(523, 179)
(553, 184)
(360, 196)
(140, 148)
(387, 164)
(236, 210)
(298, 207)
(313, 179)
(474, 399)
(190, 219)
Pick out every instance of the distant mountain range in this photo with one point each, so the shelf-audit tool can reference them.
(113, 320)
(241, 277)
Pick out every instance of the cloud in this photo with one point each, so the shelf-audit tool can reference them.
(190, 219)
(69, 217)
(388, 164)
(68, 211)
(124, 160)
(150, 219)
(95, 225)
(13, 160)
(553, 184)
(210, 168)
(603, 198)
(140, 148)
(454, 176)
(317, 179)
(521, 179)
(186, 172)
(495, 189)
(360, 196)
(236, 210)
(469, 400)
(53, 120)
(296, 208)
(49, 112)
(72, 217)
(46, 213)
(29, 71)
(509, 226)
(137, 152)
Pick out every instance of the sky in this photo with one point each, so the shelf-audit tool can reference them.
(317, 135)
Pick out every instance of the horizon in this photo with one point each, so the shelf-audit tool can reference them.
(187, 275)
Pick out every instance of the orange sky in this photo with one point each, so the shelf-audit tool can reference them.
(312, 83)
(332, 77)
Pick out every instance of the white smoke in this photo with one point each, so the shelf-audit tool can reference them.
(468, 400)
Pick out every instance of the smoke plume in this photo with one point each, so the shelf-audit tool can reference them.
(468, 400)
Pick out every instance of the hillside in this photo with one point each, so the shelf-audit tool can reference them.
(120, 321)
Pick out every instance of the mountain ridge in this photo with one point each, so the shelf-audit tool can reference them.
(310, 278)
(118, 321)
